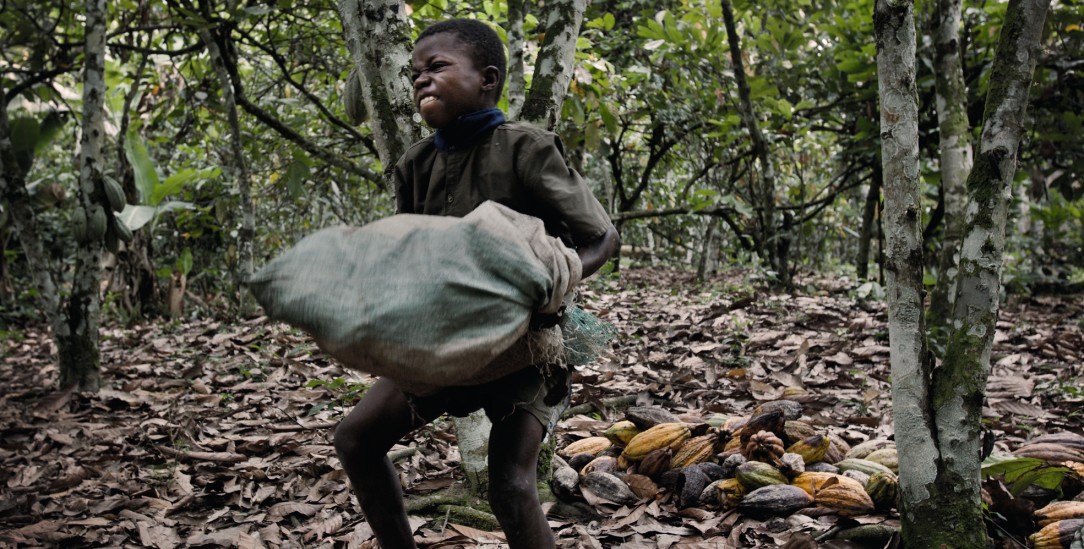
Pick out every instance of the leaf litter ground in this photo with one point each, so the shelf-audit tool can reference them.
(210, 433)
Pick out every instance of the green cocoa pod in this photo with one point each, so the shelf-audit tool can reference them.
(353, 99)
(112, 241)
(124, 234)
(114, 193)
(79, 224)
(97, 223)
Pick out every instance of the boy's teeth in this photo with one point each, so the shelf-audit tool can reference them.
(428, 99)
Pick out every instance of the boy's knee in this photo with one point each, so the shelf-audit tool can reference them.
(507, 492)
(347, 440)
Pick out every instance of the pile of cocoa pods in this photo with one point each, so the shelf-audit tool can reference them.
(769, 463)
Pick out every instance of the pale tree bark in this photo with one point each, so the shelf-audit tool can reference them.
(377, 35)
(771, 238)
(959, 387)
(956, 153)
(894, 26)
(556, 59)
(937, 412)
(237, 167)
(77, 338)
(516, 57)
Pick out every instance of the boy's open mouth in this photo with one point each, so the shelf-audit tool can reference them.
(426, 100)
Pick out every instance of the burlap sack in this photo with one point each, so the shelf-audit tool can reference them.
(425, 300)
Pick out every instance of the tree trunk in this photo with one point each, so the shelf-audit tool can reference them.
(237, 167)
(937, 412)
(77, 341)
(869, 223)
(378, 37)
(956, 159)
(959, 386)
(773, 249)
(553, 68)
(516, 40)
(895, 32)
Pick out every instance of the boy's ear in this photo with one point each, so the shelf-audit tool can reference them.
(490, 76)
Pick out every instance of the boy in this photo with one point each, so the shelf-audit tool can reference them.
(474, 156)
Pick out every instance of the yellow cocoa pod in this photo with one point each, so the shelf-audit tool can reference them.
(588, 445)
(693, 450)
(886, 457)
(663, 435)
(728, 492)
(811, 448)
(883, 488)
(845, 499)
(621, 433)
(1059, 510)
(813, 482)
(733, 444)
(1056, 535)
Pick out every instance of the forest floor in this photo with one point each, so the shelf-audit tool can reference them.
(214, 433)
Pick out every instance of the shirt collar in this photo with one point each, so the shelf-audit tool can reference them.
(468, 129)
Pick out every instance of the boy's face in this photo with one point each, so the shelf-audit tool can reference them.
(447, 84)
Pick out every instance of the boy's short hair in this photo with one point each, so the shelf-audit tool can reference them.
(485, 46)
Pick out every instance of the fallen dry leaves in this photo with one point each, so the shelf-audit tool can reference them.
(211, 433)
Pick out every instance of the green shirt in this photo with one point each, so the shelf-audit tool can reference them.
(517, 165)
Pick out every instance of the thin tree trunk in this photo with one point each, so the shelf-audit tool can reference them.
(773, 251)
(517, 84)
(77, 340)
(959, 387)
(237, 166)
(869, 224)
(956, 155)
(378, 38)
(556, 58)
(894, 26)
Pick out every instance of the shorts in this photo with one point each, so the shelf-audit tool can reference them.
(541, 390)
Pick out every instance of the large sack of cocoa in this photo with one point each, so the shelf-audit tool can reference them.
(427, 301)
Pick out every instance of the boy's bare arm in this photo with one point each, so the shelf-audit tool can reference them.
(595, 254)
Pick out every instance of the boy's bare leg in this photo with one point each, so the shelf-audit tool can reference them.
(362, 441)
(514, 444)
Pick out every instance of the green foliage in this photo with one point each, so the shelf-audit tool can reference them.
(1020, 473)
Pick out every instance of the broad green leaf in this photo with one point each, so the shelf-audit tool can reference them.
(136, 216)
(184, 263)
(1049, 478)
(146, 177)
(296, 174)
(24, 133)
(174, 183)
